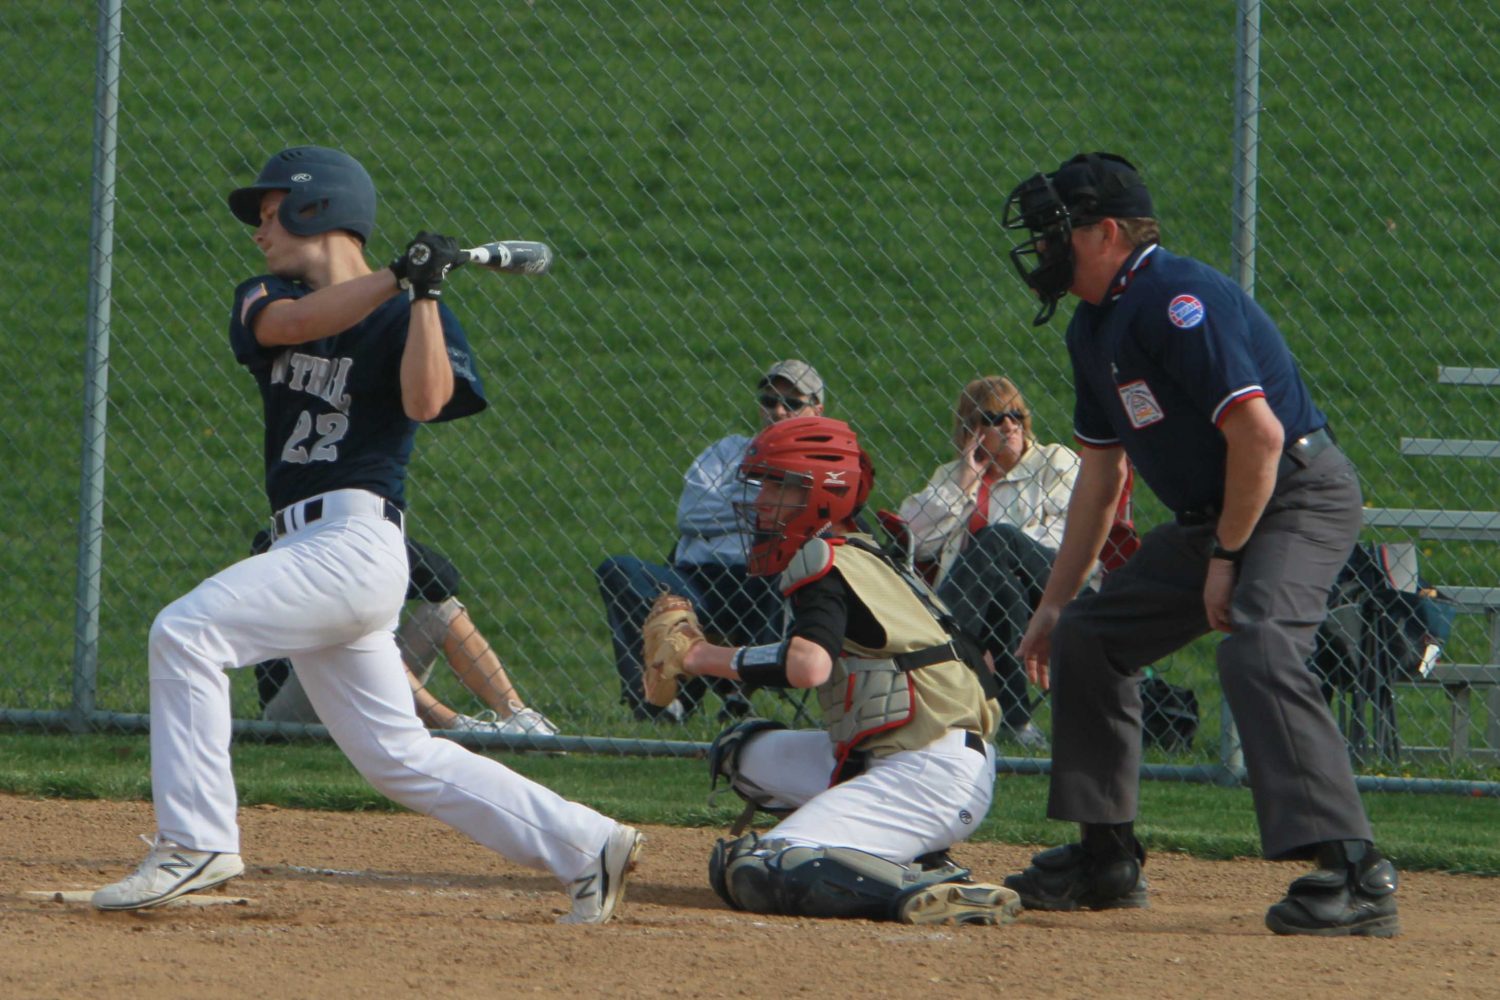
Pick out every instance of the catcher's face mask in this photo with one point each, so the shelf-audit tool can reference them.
(777, 522)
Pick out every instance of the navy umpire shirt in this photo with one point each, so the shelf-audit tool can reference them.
(1158, 363)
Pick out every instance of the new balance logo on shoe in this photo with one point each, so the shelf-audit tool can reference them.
(177, 863)
(583, 887)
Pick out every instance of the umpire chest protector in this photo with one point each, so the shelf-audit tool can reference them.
(904, 694)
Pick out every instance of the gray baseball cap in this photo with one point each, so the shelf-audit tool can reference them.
(803, 377)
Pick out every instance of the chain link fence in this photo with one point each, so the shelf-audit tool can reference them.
(727, 186)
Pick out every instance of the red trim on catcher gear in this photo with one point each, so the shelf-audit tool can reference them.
(820, 573)
(842, 751)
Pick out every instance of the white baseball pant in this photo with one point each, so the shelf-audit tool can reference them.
(327, 596)
(903, 806)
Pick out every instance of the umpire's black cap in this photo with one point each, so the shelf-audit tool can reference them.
(1096, 186)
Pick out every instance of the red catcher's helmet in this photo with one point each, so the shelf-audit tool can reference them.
(812, 475)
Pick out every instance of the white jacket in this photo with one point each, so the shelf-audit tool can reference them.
(1033, 496)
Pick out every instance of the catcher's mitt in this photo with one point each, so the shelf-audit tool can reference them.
(670, 630)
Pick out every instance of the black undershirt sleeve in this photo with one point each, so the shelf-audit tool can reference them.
(826, 611)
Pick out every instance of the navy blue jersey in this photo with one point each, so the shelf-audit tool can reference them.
(333, 410)
(1157, 364)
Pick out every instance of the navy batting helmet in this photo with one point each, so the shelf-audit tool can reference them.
(326, 190)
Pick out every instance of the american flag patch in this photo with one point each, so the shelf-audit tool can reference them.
(258, 292)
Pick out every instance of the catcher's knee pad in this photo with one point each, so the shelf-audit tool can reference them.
(724, 762)
(824, 881)
(420, 636)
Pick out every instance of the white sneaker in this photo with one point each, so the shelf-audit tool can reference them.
(484, 722)
(598, 892)
(169, 871)
(528, 720)
(1028, 736)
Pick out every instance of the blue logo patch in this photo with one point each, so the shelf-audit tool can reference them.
(1185, 312)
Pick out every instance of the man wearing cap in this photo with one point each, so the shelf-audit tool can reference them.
(708, 561)
(1181, 372)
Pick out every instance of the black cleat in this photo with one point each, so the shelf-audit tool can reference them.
(1070, 878)
(1335, 903)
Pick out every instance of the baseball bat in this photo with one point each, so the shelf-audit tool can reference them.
(512, 257)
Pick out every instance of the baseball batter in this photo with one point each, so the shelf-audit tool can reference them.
(347, 369)
(905, 768)
(1176, 368)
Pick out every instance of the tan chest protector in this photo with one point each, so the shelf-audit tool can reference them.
(869, 702)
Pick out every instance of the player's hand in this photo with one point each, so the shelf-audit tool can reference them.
(424, 264)
(1218, 595)
(1036, 645)
(971, 462)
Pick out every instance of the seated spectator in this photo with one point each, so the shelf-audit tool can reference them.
(707, 564)
(435, 622)
(991, 521)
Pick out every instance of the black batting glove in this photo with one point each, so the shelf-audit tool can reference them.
(426, 262)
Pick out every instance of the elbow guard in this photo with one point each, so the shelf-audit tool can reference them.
(763, 666)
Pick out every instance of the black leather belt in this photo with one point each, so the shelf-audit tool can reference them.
(312, 511)
(1197, 515)
(1297, 455)
(974, 741)
(1301, 452)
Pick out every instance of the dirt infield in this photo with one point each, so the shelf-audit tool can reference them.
(377, 905)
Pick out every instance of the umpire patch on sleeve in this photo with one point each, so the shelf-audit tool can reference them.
(1185, 311)
(1140, 404)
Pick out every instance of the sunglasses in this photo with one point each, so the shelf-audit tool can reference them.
(770, 401)
(989, 418)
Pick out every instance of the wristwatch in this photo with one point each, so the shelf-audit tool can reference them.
(1228, 555)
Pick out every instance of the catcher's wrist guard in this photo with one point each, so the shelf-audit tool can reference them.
(763, 666)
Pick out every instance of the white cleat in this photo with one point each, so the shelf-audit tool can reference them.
(598, 892)
(169, 871)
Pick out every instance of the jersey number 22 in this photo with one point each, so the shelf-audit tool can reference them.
(331, 429)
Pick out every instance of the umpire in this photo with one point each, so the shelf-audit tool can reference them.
(1178, 370)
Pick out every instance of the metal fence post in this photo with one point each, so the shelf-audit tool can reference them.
(96, 366)
(1246, 148)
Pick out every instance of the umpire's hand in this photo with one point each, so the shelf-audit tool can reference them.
(1218, 594)
(1036, 645)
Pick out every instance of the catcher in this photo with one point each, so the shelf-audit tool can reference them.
(904, 769)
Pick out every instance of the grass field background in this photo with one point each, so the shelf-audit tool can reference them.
(725, 186)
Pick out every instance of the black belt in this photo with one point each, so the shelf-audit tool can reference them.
(974, 741)
(1301, 452)
(312, 511)
(1195, 516)
(1297, 455)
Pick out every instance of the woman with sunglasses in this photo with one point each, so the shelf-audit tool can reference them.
(988, 524)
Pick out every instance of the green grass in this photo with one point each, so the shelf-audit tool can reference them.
(725, 185)
(1448, 833)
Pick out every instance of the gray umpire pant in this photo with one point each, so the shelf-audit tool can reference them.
(1295, 756)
